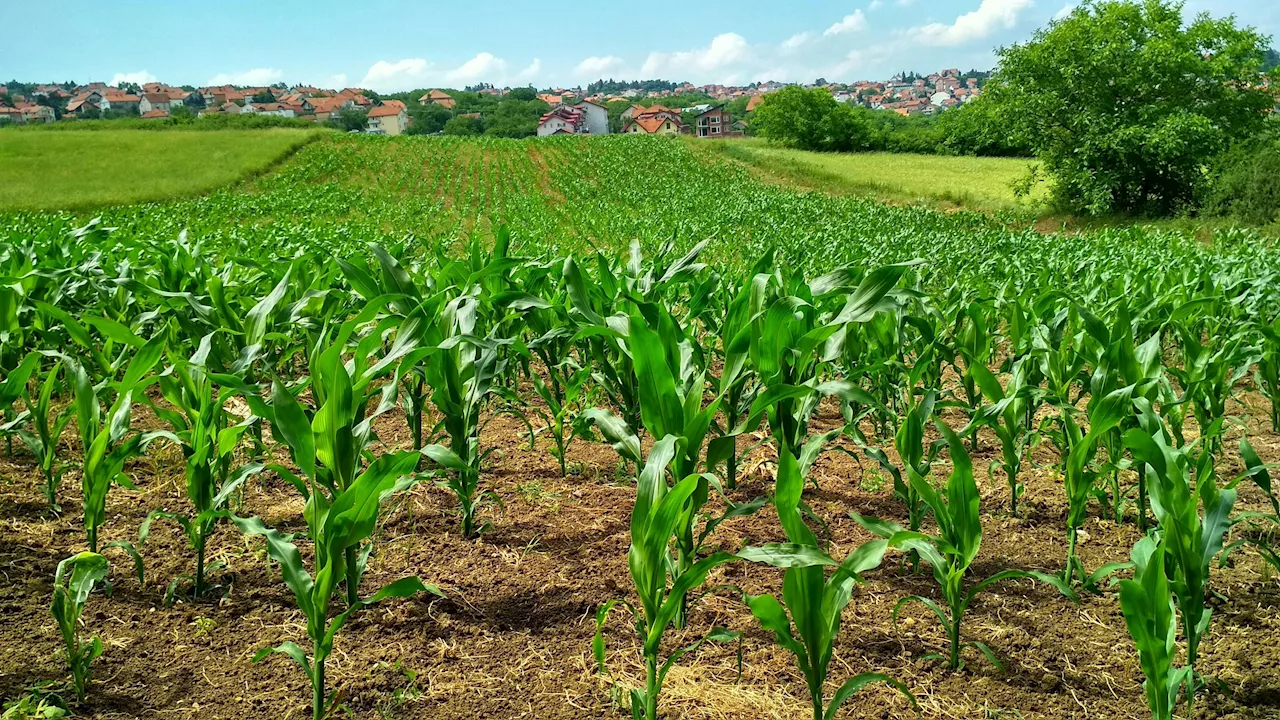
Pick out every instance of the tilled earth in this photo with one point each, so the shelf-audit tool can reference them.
(513, 637)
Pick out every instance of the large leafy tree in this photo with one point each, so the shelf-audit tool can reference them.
(811, 120)
(1126, 105)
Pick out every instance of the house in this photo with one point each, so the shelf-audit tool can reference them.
(155, 115)
(390, 118)
(740, 126)
(939, 97)
(713, 123)
(562, 120)
(597, 117)
(84, 100)
(12, 115)
(154, 101)
(656, 120)
(754, 102)
(328, 108)
(120, 102)
(275, 109)
(438, 97)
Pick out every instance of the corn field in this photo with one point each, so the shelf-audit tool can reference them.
(433, 427)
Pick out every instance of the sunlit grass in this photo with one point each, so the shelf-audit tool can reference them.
(81, 170)
(974, 183)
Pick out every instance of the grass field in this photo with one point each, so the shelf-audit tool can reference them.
(974, 183)
(81, 170)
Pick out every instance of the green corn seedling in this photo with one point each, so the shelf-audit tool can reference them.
(107, 445)
(1006, 415)
(200, 427)
(72, 584)
(47, 427)
(337, 525)
(14, 387)
(812, 602)
(1147, 604)
(562, 399)
(1080, 478)
(1193, 519)
(654, 520)
(952, 551)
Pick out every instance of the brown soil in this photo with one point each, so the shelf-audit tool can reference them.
(513, 639)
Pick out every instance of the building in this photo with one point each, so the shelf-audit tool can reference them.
(12, 115)
(390, 118)
(154, 101)
(275, 109)
(656, 120)
(713, 123)
(329, 107)
(438, 97)
(754, 102)
(596, 117)
(120, 102)
(562, 120)
(155, 115)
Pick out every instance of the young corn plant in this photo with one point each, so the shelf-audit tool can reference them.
(72, 584)
(812, 602)
(337, 525)
(107, 441)
(1193, 519)
(1259, 473)
(671, 392)
(1081, 477)
(916, 458)
(562, 400)
(200, 426)
(952, 551)
(654, 520)
(462, 374)
(13, 388)
(331, 448)
(46, 431)
(1007, 415)
(1146, 602)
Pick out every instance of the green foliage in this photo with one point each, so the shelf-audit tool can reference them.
(349, 119)
(812, 603)
(811, 120)
(654, 520)
(464, 126)
(1125, 104)
(72, 584)
(952, 550)
(1244, 183)
(427, 119)
(1147, 605)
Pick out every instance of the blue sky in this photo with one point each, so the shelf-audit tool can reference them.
(393, 45)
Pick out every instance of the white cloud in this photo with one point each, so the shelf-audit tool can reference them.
(723, 53)
(857, 22)
(597, 66)
(796, 42)
(875, 5)
(990, 16)
(411, 73)
(141, 77)
(1065, 12)
(256, 77)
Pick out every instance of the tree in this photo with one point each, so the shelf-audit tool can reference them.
(1125, 105)
(524, 94)
(264, 96)
(462, 126)
(349, 119)
(427, 119)
(181, 114)
(515, 118)
(812, 120)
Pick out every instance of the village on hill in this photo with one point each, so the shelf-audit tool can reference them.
(604, 107)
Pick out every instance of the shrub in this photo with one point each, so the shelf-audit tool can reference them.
(1246, 181)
